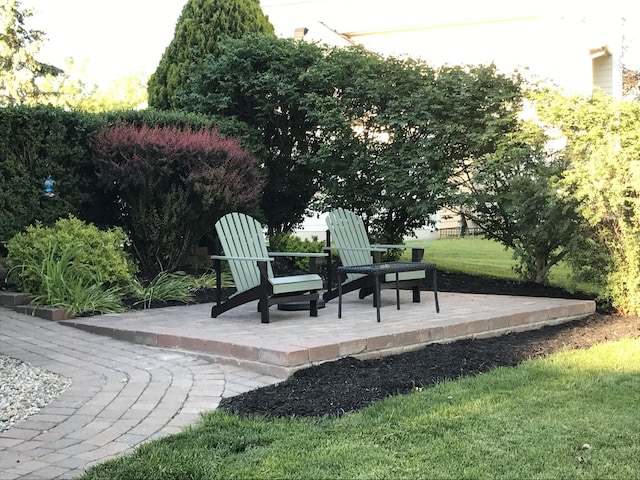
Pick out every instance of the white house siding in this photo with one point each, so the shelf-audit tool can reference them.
(551, 39)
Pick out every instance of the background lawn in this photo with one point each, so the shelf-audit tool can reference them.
(479, 256)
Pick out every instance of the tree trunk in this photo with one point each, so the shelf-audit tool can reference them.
(542, 268)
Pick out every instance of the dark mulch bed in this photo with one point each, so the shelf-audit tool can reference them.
(348, 385)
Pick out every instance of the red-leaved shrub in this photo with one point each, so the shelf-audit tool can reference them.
(173, 185)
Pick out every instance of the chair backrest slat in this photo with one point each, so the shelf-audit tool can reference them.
(242, 236)
(348, 231)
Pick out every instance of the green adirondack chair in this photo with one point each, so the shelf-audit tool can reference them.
(347, 235)
(244, 246)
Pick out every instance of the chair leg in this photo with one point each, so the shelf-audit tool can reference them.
(435, 289)
(263, 307)
(236, 300)
(263, 303)
(313, 308)
(416, 294)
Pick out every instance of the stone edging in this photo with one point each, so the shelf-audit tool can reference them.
(20, 303)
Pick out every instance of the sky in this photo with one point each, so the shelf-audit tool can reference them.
(118, 37)
(125, 37)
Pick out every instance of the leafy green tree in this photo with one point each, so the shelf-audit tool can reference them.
(263, 82)
(20, 71)
(602, 143)
(396, 131)
(201, 26)
(380, 136)
(514, 195)
(126, 92)
(69, 88)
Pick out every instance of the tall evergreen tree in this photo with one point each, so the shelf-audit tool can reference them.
(19, 69)
(202, 24)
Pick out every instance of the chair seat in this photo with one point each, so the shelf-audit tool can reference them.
(296, 283)
(391, 277)
(417, 275)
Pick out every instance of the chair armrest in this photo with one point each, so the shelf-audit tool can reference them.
(246, 259)
(297, 254)
(314, 258)
(373, 248)
(401, 246)
(417, 251)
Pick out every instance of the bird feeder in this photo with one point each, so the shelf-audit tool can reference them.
(48, 186)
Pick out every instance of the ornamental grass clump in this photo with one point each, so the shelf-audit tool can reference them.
(165, 287)
(66, 282)
(209, 279)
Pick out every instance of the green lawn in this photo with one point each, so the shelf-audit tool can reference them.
(570, 415)
(479, 256)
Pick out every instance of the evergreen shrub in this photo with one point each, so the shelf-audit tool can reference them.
(42, 141)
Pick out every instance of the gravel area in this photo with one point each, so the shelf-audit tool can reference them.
(25, 389)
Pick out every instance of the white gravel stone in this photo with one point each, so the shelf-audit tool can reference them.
(25, 389)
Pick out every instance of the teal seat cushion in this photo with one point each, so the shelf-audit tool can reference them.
(391, 277)
(296, 283)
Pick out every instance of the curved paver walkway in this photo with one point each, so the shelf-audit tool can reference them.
(122, 395)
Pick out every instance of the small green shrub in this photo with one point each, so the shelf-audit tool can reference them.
(101, 252)
(292, 243)
(66, 282)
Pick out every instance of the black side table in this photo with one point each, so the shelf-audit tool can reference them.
(377, 270)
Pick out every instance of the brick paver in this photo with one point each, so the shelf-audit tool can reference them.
(121, 395)
(124, 394)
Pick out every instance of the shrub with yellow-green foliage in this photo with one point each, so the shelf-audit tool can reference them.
(101, 251)
(603, 146)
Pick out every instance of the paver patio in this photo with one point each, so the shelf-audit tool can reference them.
(293, 340)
